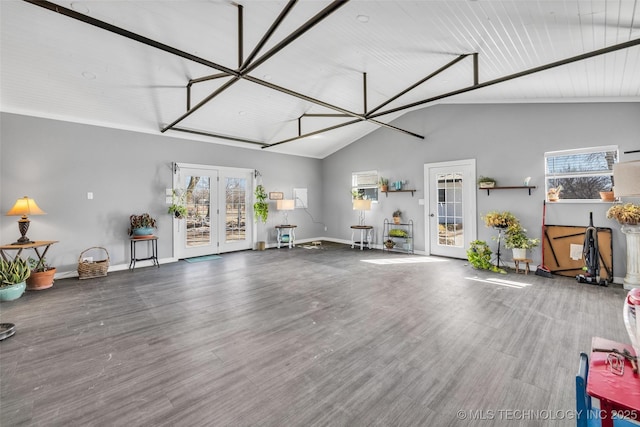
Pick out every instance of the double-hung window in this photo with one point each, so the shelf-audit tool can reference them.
(581, 173)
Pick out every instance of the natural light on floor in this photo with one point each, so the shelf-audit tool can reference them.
(501, 282)
(409, 260)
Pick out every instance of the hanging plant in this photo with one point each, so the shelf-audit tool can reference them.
(261, 206)
(177, 207)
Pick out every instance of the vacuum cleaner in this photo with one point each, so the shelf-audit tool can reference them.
(591, 256)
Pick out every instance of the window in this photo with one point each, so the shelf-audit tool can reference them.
(365, 184)
(582, 173)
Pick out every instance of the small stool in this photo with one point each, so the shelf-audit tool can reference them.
(526, 261)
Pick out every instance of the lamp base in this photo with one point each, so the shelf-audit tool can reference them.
(22, 241)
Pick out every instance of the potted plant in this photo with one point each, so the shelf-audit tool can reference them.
(517, 240)
(479, 256)
(389, 244)
(177, 207)
(486, 182)
(503, 219)
(13, 275)
(142, 225)
(627, 213)
(261, 209)
(397, 214)
(384, 184)
(553, 194)
(42, 274)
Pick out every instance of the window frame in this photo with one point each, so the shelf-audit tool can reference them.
(580, 174)
(372, 187)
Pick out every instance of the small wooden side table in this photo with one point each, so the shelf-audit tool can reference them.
(31, 245)
(154, 250)
(526, 261)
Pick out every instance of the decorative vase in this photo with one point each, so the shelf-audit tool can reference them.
(39, 280)
(519, 253)
(12, 292)
(143, 231)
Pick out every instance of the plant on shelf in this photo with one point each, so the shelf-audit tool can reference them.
(397, 214)
(479, 256)
(142, 225)
(178, 206)
(627, 213)
(398, 232)
(503, 219)
(384, 184)
(486, 182)
(389, 244)
(42, 274)
(13, 275)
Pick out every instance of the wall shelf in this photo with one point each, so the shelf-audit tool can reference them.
(528, 187)
(398, 191)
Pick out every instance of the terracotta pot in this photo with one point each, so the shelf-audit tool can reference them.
(384, 188)
(396, 220)
(40, 280)
(607, 196)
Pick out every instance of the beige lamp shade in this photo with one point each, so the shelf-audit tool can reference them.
(25, 207)
(285, 205)
(362, 205)
(626, 179)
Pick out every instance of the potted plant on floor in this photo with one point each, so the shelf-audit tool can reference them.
(142, 225)
(13, 276)
(517, 240)
(42, 275)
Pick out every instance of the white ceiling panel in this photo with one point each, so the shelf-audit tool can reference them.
(350, 65)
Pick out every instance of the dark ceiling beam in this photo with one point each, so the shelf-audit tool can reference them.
(418, 83)
(217, 135)
(327, 105)
(533, 70)
(306, 135)
(240, 35)
(130, 35)
(265, 38)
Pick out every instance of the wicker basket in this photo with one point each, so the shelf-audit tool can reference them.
(88, 270)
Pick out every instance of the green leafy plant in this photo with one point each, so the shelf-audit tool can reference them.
(178, 206)
(485, 179)
(33, 263)
(261, 206)
(389, 244)
(516, 237)
(383, 181)
(141, 221)
(479, 256)
(13, 272)
(397, 232)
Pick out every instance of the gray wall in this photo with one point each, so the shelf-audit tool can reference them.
(508, 142)
(57, 163)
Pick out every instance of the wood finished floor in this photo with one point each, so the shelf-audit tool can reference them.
(299, 337)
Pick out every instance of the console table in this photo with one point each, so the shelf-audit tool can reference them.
(46, 244)
(365, 236)
(292, 234)
(154, 250)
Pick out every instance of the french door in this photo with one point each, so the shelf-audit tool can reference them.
(217, 200)
(450, 211)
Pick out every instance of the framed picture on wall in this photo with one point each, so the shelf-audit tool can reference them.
(276, 196)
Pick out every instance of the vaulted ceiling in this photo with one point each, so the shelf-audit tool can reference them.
(306, 77)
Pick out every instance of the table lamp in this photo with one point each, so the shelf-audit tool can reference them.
(24, 207)
(285, 205)
(361, 205)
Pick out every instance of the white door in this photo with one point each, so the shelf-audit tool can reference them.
(216, 200)
(450, 207)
